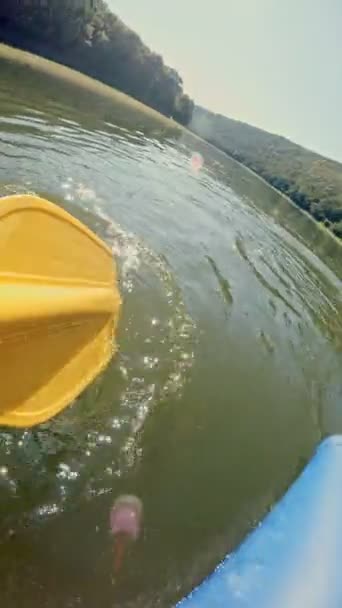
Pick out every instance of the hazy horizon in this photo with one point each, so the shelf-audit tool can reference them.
(271, 65)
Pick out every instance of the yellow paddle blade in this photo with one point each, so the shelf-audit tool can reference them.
(59, 306)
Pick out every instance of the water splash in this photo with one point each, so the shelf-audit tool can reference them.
(82, 453)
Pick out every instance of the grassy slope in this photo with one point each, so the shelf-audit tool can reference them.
(57, 70)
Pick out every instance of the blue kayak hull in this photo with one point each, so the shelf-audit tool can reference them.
(293, 559)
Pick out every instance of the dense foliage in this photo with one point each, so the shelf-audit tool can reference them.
(87, 36)
(313, 182)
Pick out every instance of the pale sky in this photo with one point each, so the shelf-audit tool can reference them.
(276, 64)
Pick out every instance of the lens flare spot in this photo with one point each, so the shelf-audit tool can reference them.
(196, 162)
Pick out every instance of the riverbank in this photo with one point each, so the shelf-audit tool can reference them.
(318, 237)
(99, 44)
(62, 72)
(311, 181)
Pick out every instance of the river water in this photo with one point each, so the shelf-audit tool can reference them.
(230, 360)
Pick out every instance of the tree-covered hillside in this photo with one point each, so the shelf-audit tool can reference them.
(313, 182)
(87, 36)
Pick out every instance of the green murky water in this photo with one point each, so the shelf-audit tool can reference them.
(230, 363)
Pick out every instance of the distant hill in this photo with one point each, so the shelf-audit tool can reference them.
(312, 182)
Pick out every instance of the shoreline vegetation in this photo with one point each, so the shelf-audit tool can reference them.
(311, 181)
(87, 37)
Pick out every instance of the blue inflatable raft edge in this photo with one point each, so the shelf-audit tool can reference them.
(292, 558)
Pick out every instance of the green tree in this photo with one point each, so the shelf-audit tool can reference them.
(86, 35)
